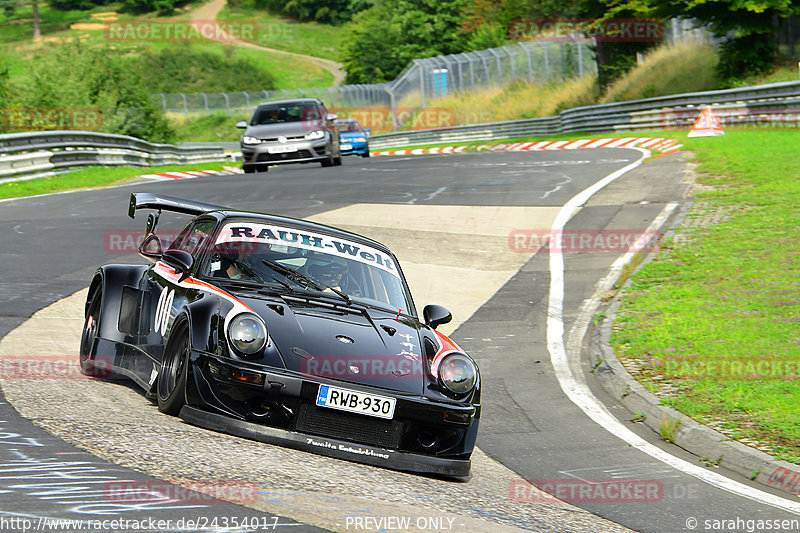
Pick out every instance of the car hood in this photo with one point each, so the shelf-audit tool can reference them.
(356, 345)
(287, 129)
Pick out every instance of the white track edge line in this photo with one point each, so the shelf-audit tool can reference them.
(580, 394)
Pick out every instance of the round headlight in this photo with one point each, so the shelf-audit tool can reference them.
(247, 333)
(457, 373)
(251, 140)
(319, 134)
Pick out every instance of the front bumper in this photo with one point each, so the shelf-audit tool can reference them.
(301, 152)
(279, 407)
(339, 449)
(355, 148)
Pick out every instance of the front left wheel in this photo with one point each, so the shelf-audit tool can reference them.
(171, 388)
(90, 366)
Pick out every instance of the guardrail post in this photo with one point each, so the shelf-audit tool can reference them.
(580, 59)
(205, 101)
(246, 99)
(227, 104)
(163, 101)
(185, 109)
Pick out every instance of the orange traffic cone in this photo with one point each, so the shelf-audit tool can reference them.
(706, 125)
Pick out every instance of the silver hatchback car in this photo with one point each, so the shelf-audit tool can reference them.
(289, 131)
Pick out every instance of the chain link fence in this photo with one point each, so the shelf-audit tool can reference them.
(422, 80)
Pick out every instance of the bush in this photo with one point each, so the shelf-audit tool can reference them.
(750, 55)
(74, 76)
(186, 70)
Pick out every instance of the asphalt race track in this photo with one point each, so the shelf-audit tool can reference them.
(463, 227)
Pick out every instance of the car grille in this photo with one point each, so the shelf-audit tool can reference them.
(353, 428)
(300, 154)
(288, 138)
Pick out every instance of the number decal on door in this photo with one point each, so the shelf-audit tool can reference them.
(163, 310)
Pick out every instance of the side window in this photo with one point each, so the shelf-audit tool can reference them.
(191, 239)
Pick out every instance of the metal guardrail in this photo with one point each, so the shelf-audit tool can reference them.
(778, 103)
(773, 103)
(31, 153)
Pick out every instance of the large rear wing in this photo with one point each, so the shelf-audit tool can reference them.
(146, 200)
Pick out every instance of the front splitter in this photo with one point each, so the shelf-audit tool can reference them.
(348, 451)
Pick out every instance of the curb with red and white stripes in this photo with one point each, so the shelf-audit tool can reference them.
(189, 174)
(664, 146)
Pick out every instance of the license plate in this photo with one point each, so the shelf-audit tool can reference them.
(356, 402)
(347, 147)
(281, 149)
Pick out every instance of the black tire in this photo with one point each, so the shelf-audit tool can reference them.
(171, 386)
(365, 154)
(91, 326)
(337, 161)
(327, 162)
(249, 170)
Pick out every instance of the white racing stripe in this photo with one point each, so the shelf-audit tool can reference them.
(577, 390)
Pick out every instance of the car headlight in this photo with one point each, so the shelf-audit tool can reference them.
(457, 373)
(250, 140)
(360, 139)
(247, 333)
(311, 135)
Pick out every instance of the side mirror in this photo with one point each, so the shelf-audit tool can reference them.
(179, 260)
(151, 246)
(436, 315)
(242, 124)
(367, 131)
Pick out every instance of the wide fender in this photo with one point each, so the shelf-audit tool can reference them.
(205, 323)
(112, 280)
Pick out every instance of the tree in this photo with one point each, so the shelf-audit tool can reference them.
(382, 40)
(10, 7)
(750, 26)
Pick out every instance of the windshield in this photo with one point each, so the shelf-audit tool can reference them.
(303, 260)
(349, 126)
(286, 112)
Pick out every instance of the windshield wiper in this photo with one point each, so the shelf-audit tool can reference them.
(244, 268)
(299, 277)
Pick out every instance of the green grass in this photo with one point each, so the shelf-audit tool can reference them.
(92, 177)
(668, 69)
(18, 51)
(216, 127)
(731, 293)
(281, 33)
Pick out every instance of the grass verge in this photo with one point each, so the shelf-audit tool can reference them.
(92, 177)
(712, 321)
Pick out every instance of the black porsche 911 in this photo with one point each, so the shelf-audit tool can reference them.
(287, 332)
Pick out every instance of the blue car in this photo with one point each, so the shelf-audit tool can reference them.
(353, 139)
